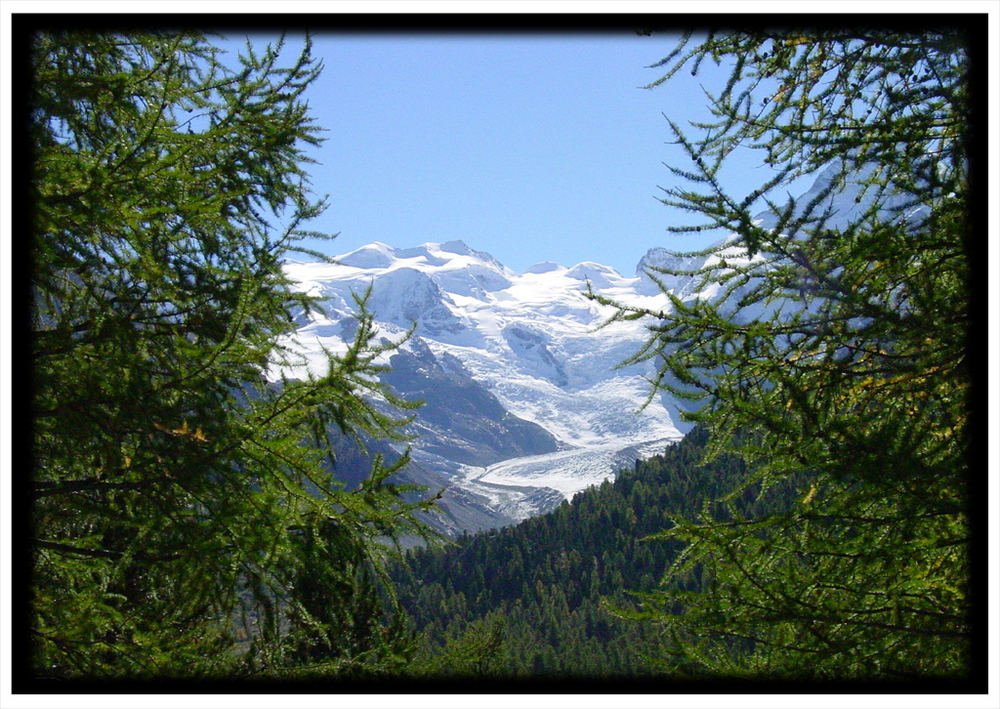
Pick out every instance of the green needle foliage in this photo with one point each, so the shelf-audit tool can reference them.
(183, 508)
(833, 360)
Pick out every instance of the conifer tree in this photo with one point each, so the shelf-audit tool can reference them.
(833, 360)
(179, 496)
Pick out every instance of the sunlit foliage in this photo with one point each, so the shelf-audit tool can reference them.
(833, 359)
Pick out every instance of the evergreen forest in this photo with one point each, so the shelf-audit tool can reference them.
(555, 596)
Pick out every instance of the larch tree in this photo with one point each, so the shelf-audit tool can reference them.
(833, 358)
(180, 498)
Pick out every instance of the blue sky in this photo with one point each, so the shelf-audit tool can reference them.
(530, 147)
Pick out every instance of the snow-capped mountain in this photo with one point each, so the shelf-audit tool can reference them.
(523, 404)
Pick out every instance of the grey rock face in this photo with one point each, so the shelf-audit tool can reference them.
(460, 420)
(532, 346)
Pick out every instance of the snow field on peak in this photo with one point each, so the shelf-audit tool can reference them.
(532, 340)
(548, 306)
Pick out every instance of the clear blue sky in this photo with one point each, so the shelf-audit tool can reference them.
(530, 147)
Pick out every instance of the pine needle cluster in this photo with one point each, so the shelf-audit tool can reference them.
(832, 357)
(186, 520)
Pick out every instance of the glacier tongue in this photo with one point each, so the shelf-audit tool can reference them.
(564, 472)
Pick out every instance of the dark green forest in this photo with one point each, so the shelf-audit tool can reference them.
(548, 597)
(187, 519)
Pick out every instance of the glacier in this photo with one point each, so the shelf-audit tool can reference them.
(531, 340)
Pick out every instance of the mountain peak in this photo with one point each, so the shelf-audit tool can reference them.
(455, 246)
(373, 255)
(599, 275)
(448, 255)
(544, 267)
